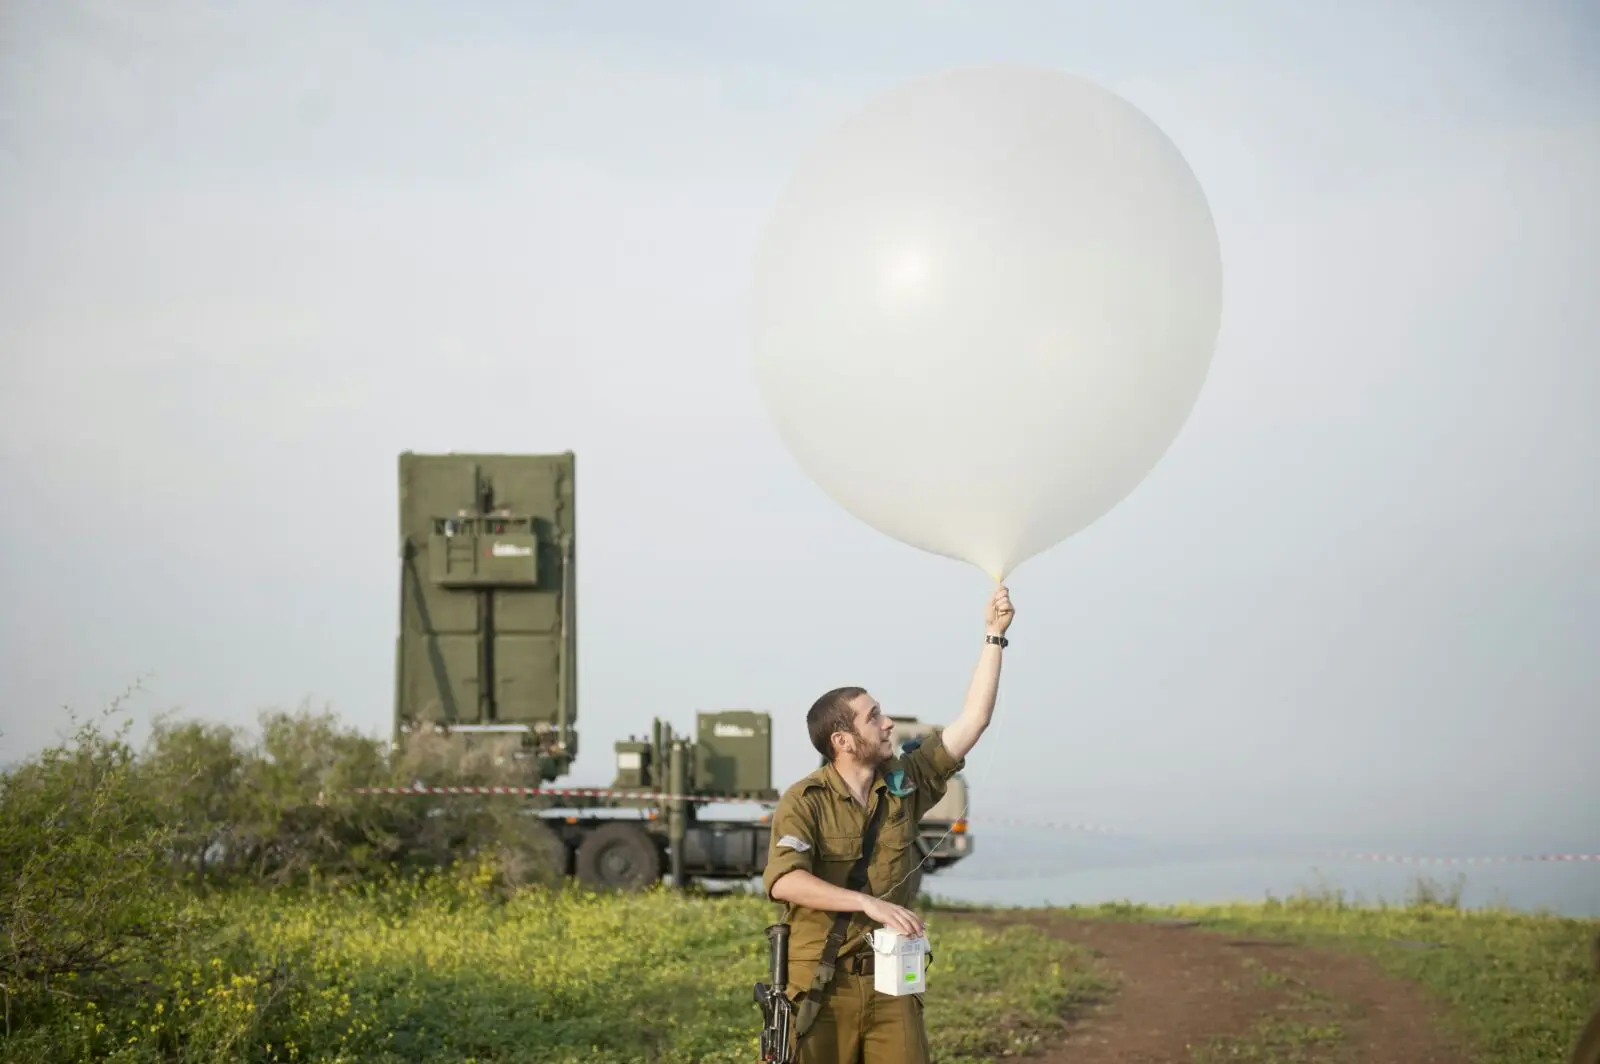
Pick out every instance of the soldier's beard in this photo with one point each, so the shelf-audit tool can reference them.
(869, 752)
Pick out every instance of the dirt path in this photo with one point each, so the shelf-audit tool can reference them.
(1188, 995)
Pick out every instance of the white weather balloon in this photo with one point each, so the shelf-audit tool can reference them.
(984, 308)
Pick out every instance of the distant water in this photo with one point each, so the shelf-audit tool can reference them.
(1013, 865)
(1005, 872)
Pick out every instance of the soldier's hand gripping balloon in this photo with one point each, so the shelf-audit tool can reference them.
(984, 308)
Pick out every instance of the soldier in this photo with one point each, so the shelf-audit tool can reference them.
(814, 865)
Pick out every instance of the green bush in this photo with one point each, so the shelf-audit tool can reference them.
(110, 844)
(84, 904)
(283, 809)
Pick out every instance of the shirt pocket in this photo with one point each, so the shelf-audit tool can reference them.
(897, 854)
(836, 855)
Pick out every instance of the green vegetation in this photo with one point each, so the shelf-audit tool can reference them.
(217, 897)
(1516, 987)
(442, 969)
(1005, 991)
(221, 898)
(1308, 1027)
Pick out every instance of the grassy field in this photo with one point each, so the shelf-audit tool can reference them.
(122, 940)
(446, 972)
(1516, 986)
(442, 973)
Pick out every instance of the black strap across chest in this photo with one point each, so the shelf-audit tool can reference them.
(810, 999)
(856, 880)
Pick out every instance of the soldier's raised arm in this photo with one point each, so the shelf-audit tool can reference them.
(963, 732)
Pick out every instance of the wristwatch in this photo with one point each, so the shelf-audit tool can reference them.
(998, 640)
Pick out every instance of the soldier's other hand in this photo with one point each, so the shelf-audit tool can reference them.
(894, 917)
(1000, 612)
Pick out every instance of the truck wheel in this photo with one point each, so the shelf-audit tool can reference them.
(618, 856)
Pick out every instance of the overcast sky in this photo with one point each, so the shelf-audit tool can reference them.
(250, 251)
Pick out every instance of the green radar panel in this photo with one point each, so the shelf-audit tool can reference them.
(488, 638)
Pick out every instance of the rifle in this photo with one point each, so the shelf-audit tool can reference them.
(777, 1011)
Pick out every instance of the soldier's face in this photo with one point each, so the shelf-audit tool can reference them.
(871, 744)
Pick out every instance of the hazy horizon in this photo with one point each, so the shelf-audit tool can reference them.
(249, 253)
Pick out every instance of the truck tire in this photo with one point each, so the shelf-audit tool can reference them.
(618, 856)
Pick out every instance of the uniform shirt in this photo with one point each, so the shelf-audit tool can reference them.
(818, 826)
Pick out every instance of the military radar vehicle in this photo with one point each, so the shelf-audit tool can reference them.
(488, 648)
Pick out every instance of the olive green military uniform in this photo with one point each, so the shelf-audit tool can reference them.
(818, 827)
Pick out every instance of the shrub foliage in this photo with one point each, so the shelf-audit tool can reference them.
(283, 809)
(83, 901)
(219, 896)
(107, 847)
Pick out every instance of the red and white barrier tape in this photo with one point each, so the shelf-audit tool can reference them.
(567, 792)
(980, 871)
(1512, 859)
(1054, 825)
(1096, 829)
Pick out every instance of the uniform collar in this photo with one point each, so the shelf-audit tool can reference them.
(837, 785)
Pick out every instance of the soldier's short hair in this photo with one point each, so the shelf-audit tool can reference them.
(832, 713)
